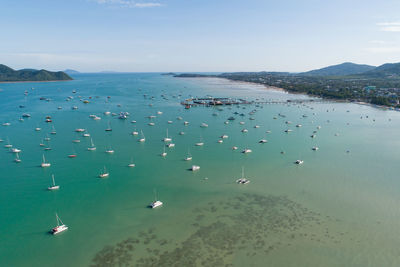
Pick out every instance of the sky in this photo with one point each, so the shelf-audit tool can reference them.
(197, 35)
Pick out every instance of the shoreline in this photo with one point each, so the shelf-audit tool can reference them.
(268, 87)
(2, 82)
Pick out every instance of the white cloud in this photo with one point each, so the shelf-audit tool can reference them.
(129, 3)
(378, 42)
(383, 49)
(389, 26)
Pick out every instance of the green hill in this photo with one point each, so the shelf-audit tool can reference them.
(7, 74)
(385, 70)
(343, 69)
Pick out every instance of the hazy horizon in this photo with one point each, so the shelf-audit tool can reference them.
(191, 36)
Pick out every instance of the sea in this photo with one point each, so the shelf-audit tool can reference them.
(340, 207)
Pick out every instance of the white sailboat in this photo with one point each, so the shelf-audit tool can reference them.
(164, 154)
(53, 186)
(188, 157)
(110, 151)
(167, 139)
(8, 145)
(92, 147)
(17, 159)
(104, 174)
(131, 164)
(61, 227)
(44, 163)
(201, 143)
(143, 139)
(53, 131)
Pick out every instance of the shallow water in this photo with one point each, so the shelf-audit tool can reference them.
(339, 208)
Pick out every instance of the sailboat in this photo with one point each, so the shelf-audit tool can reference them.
(110, 150)
(201, 143)
(164, 153)
(61, 227)
(92, 147)
(104, 174)
(17, 159)
(8, 145)
(188, 157)
(131, 164)
(72, 155)
(242, 180)
(44, 163)
(53, 130)
(143, 139)
(109, 129)
(156, 203)
(167, 139)
(53, 186)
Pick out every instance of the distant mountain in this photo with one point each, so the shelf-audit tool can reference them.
(388, 69)
(7, 74)
(343, 69)
(69, 71)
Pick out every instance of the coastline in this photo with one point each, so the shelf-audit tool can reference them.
(268, 87)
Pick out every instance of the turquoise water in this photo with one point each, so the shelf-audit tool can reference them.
(339, 208)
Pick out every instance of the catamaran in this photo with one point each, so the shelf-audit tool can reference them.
(104, 174)
(61, 227)
(156, 203)
(246, 150)
(242, 180)
(53, 186)
(15, 150)
(195, 168)
(44, 163)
